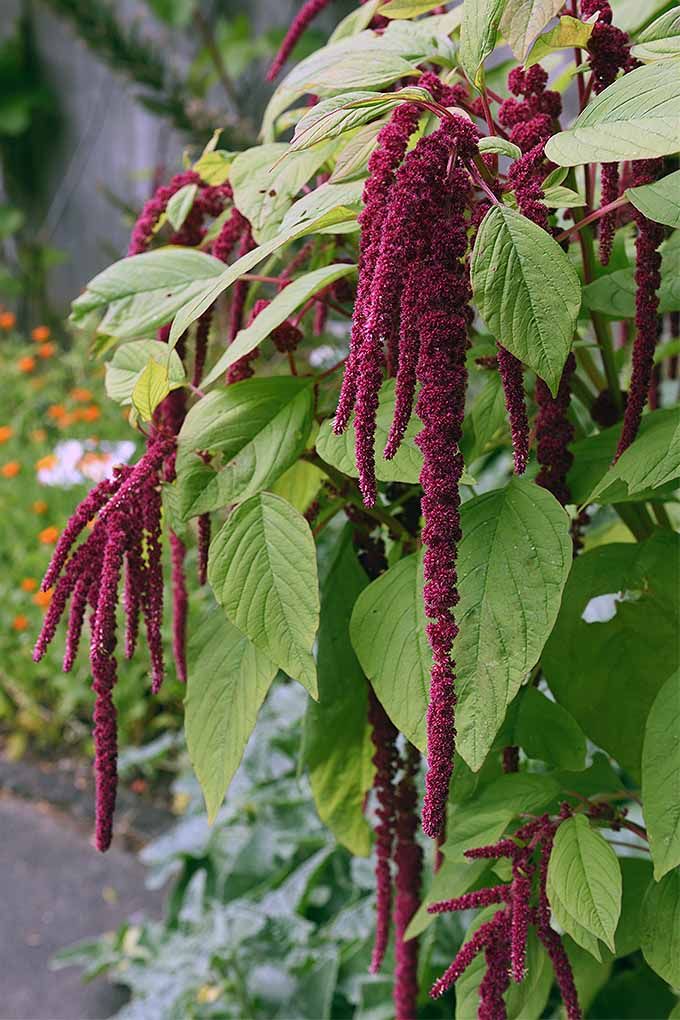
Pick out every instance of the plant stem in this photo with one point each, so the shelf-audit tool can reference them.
(592, 217)
(600, 325)
(582, 392)
(352, 495)
(662, 518)
(636, 519)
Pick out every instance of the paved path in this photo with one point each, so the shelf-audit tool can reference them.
(55, 889)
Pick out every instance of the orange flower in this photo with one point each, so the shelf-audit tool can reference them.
(29, 584)
(6, 432)
(80, 394)
(56, 411)
(67, 419)
(7, 320)
(40, 506)
(38, 435)
(43, 598)
(48, 536)
(40, 334)
(47, 350)
(25, 364)
(11, 469)
(90, 413)
(20, 622)
(46, 462)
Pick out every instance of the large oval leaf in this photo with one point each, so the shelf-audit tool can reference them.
(526, 290)
(638, 117)
(661, 39)
(228, 681)
(478, 32)
(659, 201)
(661, 777)
(137, 295)
(259, 427)
(615, 641)
(584, 883)
(660, 928)
(267, 178)
(340, 769)
(523, 20)
(262, 568)
(339, 450)
(515, 553)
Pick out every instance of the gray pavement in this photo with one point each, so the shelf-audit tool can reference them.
(54, 890)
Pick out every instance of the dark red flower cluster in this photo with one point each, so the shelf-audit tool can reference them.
(503, 938)
(386, 760)
(554, 433)
(608, 53)
(647, 322)
(125, 517)
(530, 121)
(408, 857)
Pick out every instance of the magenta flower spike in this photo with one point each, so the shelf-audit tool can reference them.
(408, 858)
(383, 735)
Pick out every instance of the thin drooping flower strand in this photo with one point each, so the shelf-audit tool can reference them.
(554, 433)
(467, 953)
(408, 858)
(608, 53)
(385, 759)
(204, 531)
(512, 378)
(496, 980)
(180, 605)
(647, 281)
(104, 675)
(302, 20)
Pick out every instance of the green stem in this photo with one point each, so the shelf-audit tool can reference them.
(582, 392)
(600, 324)
(636, 519)
(351, 494)
(661, 514)
(585, 360)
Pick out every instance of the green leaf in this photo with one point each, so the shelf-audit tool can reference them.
(478, 33)
(515, 551)
(337, 739)
(356, 21)
(485, 425)
(262, 568)
(277, 311)
(613, 294)
(406, 8)
(563, 198)
(323, 200)
(633, 993)
(525, 1001)
(214, 166)
(450, 881)
(131, 361)
(590, 973)
(206, 295)
(659, 201)
(526, 290)
(387, 631)
(494, 144)
(265, 183)
(651, 461)
(151, 388)
(637, 876)
(661, 39)
(352, 160)
(584, 883)
(258, 426)
(339, 450)
(548, 732)
(523, 20)
(637, 117)
(139, 294)
(607, 674)
(332, 117)
(228, 681)
(485, 817)
(179, 206)
(299, 484)
(11, 220)
(660, 928)
(661, 777)
(567, 34)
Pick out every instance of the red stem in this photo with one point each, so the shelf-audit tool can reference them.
(616, 204)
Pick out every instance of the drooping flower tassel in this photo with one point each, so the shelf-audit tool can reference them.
(647, 280)
(302, 20)
(512, 378)
(204, 530)
(554, 433)
(152, 211)
(408, 858)
(104, 674)
(385, 759)
(180, 605)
